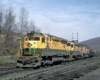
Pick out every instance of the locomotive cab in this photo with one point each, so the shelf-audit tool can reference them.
(70, 46)
(76, 47)
(31, 44)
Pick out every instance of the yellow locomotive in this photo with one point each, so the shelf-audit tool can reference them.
(42, 49)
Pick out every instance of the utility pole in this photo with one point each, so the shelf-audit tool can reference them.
(77, 37)
(72, 36)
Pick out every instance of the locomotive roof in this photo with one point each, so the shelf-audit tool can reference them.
(74, 41)
(56, 37)
(33, 32)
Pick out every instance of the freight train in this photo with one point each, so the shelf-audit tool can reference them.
(44, 49)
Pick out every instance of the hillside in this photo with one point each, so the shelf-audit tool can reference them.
(93, 43)
(9, 45)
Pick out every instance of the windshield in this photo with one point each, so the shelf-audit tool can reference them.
(30, 39)
(34, 39)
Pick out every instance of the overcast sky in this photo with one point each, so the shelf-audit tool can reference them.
(62, 17)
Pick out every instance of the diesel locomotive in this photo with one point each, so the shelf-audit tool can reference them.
(44, 49)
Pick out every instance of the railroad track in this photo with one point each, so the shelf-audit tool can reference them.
(54, 73)
(69, 68)
(68, 74)
(6, 70)
(4, 65)
(12, 70)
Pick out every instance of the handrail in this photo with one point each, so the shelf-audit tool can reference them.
(40, 52)
(30, 51)
(34, 50)
(19, 53)
(81, 52)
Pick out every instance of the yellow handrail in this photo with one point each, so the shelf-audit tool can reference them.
(18, 53)
(40, 53)
(81, 53)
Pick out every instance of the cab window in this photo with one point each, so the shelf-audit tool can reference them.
(30, 39)
(26, 39)
(71, 45)
(43, 40)
(68, 44)
(75, 44)
(36, 38)
(64, 42)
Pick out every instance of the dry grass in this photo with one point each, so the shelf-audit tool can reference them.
(6, 59)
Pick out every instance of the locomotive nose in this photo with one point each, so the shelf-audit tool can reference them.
(34, 44)
(29, 44)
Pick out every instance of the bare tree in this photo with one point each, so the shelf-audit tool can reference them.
(23, 20)
(38, 30)
(1, 20)
(9, 22)
(1, 15)
(32, 27)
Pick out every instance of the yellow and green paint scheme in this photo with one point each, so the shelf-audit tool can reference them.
(38, 45)
(70, 49)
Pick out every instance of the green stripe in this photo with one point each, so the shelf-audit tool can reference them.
(45, 51)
